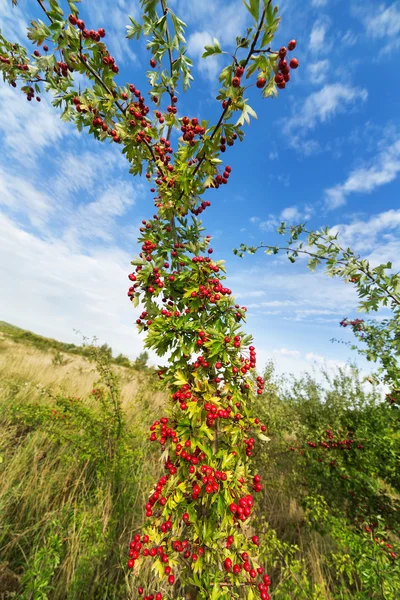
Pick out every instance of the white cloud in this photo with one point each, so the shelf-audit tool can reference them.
(210, 67)
(115, 21)
(317, 36)
(349, 38)
(364, 180)
(32, 126)
(367, 235)
(212, 20)
(253, 294)
(79, 171)
(382, 22)
(318, 71)
(286, 352)
(13, 21)
(291, 213)
(319, 3)
(269, 224)
(273, 156)
(97, 219)
(20, 195)
(321, 106)
(225, 21)
(51, 289)
(295, 294)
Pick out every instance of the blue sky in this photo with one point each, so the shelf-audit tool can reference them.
(327, 151)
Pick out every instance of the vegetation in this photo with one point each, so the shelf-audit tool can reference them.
(59, 348)
(78, 468)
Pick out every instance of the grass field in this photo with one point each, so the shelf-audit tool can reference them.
(76, 468)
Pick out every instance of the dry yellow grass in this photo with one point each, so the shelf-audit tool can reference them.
(76, 376)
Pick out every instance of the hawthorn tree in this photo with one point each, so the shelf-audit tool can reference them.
(198, 535)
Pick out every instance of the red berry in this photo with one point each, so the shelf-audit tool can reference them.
(291, 45)
(236, 569)
(228, 564)
(261, 81)
(282, 52)
(153, 63)
(239, 72)
(236, 82)
(294, 63)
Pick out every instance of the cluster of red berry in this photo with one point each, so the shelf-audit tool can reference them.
(190, 129)
(96, 36)
(227, 141)
(222, 179)
(7, 61)
(357, 324)
(383, 544)
(249, 449)
(282, 71)
(283, 67)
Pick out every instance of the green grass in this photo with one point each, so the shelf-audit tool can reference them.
(76, 470)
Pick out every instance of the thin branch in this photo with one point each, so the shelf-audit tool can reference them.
(340, 262)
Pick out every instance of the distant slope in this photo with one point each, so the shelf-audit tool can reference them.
(19, 335)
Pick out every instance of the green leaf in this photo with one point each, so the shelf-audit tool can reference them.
(247, 111)
(253, 8)
(211, 50)
(134, 30)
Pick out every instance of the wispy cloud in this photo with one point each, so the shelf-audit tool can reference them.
(115, 20)
(222, 20)
(364, 180)
(382, 22)
(323, 105)
(364, 235)
(318, 71)
(320, 107)
(32, 126)
(25, 198)
(66, 289)
(317, 40)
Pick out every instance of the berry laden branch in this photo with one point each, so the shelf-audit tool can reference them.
(202, 157)
(198, 534)
(98, 78)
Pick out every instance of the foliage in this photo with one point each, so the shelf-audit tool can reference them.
(72, 470)
(195, 507)
(377, 288)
